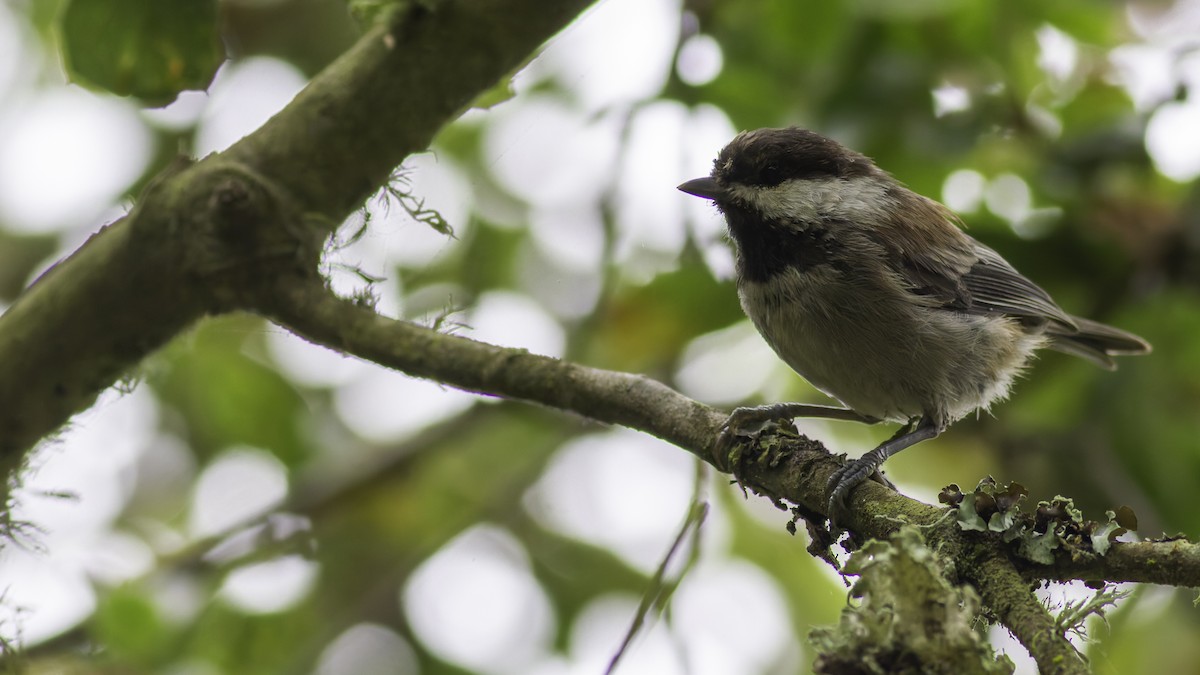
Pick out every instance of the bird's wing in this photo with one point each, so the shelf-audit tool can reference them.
(995, 287)
(989, 285)
(930, 253)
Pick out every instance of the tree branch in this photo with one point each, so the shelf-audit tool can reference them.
(243, 229)
(1174, 562)
(388, 96)
(148, 276)
(796, 473)
(644, 404)
(634, 401)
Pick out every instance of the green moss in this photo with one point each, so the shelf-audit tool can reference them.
(909, 618)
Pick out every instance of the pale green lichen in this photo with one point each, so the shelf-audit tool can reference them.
(1055, 525)
(1074, 614)
(909, 617)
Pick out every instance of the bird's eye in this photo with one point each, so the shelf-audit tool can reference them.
(771, 175)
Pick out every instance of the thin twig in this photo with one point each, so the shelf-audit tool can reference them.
(659, 591)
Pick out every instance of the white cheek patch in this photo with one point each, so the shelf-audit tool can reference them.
(858, 199)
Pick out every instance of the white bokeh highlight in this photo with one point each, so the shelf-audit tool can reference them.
(1058, 54)
(239, 485)
(117, 557)
(963, 190)
(43, 596)
(601, 74)
(368, 649)
(179, 598)
(731, 617)
(1173, 139)
(242, 97)
(544, 151)
(476, 603)
(726, 366)
(598, 631)
(572, 235)
(949, 98)
(269, 587)
(620, 490)
(74, 492)
(92, 462)
(68, 155)
(16, 55)
(1146, 72)
(514, 320)
(1154, 71)
(700, 60)
(1008, 196)
(566, 292)
(181, 113)
(725, 618)
(384, 406)
(311, 365)
(392, 238)
(650, 212)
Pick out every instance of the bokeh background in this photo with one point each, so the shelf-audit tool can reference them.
(249, 503)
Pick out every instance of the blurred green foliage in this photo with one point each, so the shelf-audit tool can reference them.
(143, 48)
(229, 398)
(1119, 244)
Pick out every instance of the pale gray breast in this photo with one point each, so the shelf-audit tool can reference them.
(847, 348)
(878, 353)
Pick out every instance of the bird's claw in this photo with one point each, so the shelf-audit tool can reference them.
(842, 483)
(742, 423)
(838, 506)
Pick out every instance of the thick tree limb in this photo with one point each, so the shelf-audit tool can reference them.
(146, 277)
(92, 317)
(388, 96)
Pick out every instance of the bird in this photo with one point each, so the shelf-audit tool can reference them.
(876, 296)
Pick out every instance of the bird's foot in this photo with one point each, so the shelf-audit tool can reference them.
(746, 424)
(845, 479)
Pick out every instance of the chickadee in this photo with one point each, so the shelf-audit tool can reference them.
(875, 295)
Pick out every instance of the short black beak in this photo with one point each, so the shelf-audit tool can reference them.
(703, 187)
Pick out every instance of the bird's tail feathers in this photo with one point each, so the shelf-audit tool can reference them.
(1097, 342)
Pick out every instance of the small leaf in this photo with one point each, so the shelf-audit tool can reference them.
(951, 495)
(1011, 496)
(1126, 518)
(144, 48)
(985, 504)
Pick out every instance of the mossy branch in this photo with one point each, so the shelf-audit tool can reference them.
(146, 277)
(242, 230)
(795, 470)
